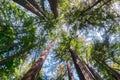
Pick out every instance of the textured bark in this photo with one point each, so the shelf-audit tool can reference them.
(29, 7)
(81, 69)
(34, 3)
(94, 73)
(36, 67)
(70, 74)
(54, 6)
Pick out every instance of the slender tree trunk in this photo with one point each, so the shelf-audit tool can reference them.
(54, 6)
(70, 74)
(34, 3)
(81, 69)
(115, 73)
(36, 67)
(29, 6)
(109, 69)
(94, 73)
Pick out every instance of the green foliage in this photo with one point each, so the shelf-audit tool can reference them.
(24, 33)
(15, 36)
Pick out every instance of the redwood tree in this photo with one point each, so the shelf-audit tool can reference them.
(81, 69)
(70, 74)
(94, 73)
(36, 67)
(54, 6)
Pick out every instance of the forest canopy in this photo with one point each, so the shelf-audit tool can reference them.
(60, 40)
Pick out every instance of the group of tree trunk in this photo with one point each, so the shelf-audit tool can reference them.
(70, 74)
(36, 67)
(84, 72)
(33, 6)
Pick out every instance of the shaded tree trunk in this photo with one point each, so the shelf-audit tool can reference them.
(81, 69)
(94, 73)
(94, 4)
(114, 72)
(54, 6)
(70, 74)
(36, 67)
(29, 7)
(109, 69)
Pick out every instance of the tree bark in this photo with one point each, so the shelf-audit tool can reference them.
(81, 69)
(29, 7)
(94, 73)
(34, 3)
(36, 67)
(54, 6)
(70, 74)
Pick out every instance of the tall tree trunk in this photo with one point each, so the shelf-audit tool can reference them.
(81, 69)
(29, 6)
(34, 3)
(94, 4)
(36, 67)
(70, 74)
(54, 6)
(109, 69)
(94, 73)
